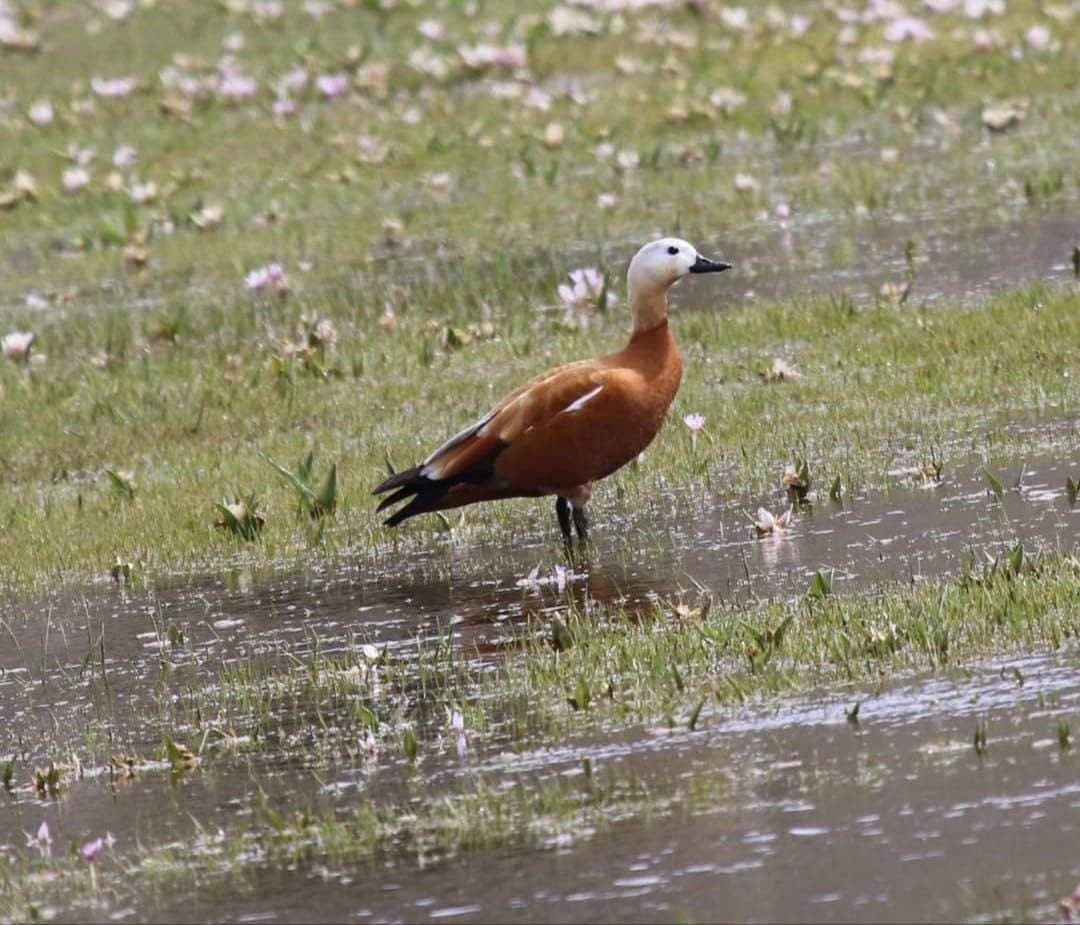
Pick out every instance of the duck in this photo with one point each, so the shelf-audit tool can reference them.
(571, 426)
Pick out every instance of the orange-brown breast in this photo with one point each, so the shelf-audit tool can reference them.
(572, 448)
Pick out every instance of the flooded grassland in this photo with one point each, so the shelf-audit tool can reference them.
(257, 233)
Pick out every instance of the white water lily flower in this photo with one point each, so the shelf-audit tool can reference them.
(769, 525)
(745, 183)
(322, 334)
(142, 193)
(999, 117)
(112, 86)
(75, 178)
(124, 156)
(485, 55)
(42, 841)
(457, 723)
(24, 183)
(727, 99)
(431, 29)
(558, 578)
(16, 345)
(977, 9)
(207, 217)
(41, 112)
(782, 371)
(118, 9)
(735, 17)
(908, 29)
(1038, 37)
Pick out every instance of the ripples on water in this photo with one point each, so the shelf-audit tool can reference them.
(894, 819)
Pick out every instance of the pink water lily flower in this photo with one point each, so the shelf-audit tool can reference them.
(234, 84)
(908, 29)
(587, 284)
(332, 85)
(295, 79)
(484, 55)
(272, 276)
(92, 849)
(112, 86)
(431, 29)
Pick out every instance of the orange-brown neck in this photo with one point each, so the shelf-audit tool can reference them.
(655, 354)
(648, 309)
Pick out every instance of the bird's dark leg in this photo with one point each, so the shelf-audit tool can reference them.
(581, 522)
(562, 509)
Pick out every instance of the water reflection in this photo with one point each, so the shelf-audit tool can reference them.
(97, 661)
(908, 536)
(893, 819)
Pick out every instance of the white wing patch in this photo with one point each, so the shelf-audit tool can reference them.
(578, 403)
(434, 468)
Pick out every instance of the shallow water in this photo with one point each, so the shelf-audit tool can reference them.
(895, 818)
(962, 256)
(472, 595)
(772, 830)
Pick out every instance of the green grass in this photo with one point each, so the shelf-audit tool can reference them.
(492, 218)
(191, 431)
(438, 218)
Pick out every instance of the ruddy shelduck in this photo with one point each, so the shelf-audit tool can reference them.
(572, 425)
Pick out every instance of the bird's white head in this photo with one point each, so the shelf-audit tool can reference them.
(654, 269)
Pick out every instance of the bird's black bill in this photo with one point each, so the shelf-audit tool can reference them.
(705, 265)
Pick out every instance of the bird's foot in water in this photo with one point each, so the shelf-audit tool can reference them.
(568, 513)
(562, 511)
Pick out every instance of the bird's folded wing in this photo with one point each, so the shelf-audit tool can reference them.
(471, 453)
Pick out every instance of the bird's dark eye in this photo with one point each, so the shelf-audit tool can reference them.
(673, 249)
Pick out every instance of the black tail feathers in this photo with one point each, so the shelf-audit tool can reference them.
(423, 492)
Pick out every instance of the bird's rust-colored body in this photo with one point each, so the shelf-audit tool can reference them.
(562, 431)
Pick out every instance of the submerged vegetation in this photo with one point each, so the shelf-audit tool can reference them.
(256, 255)
(605, 671)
